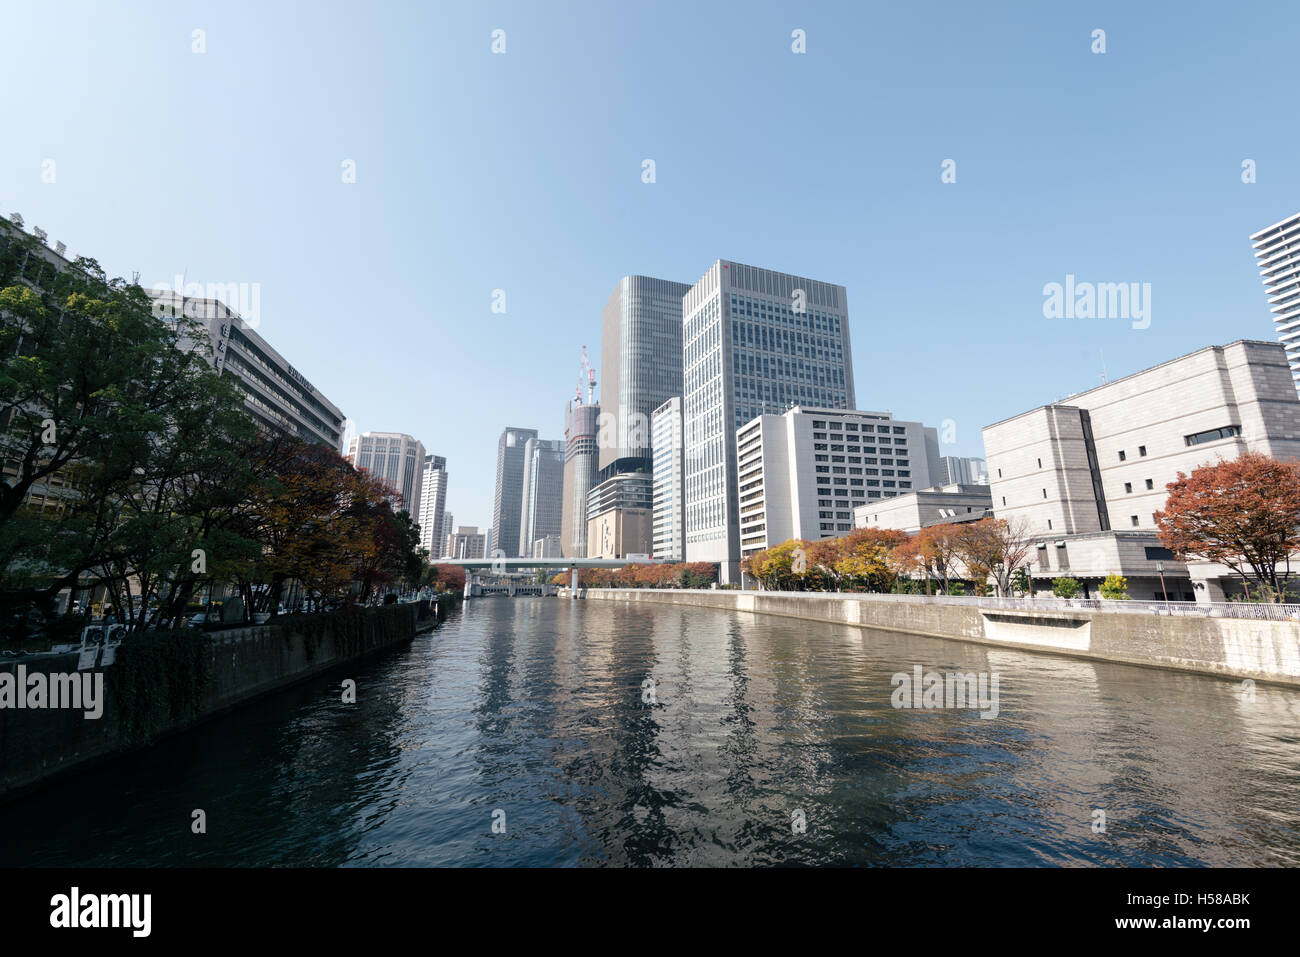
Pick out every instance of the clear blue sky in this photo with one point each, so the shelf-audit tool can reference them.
(523, 172)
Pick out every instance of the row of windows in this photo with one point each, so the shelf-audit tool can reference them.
(853, 427)
(840, 470)
(869, 449)
(871, 483)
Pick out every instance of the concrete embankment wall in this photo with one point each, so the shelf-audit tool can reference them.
(1229, 647)
(241, 666)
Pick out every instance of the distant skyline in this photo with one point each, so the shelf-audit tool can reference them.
(523, 172)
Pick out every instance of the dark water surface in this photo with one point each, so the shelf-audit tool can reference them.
(533, 708)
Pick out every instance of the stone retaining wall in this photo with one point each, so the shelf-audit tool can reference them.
(1230, 647)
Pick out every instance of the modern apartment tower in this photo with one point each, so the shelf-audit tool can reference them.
(1277, 251)
(507, 502)
(395, 457)
(581, 462)
(669, 534)
(433, 502)
(755, 342)
(543, 493)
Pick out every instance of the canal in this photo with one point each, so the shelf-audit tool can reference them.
(538, 731)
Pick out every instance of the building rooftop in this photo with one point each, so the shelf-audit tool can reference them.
(1067, 403)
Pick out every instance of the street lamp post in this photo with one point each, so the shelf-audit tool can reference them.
(1160, 570)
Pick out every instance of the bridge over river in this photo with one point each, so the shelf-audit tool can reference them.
(502, 566)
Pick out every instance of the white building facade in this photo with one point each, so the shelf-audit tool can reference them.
(666, 441)
(395, 457)
(433, 502)
(803, 473)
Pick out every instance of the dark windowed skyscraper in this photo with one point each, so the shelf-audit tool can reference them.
(508, 501)
(640, 366)
(543, 493)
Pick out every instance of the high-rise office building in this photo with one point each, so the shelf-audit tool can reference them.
(581, 458)
(1277, 251)
(543, 493)
(959, 470)
(507, 501)
(755, 342)
(666, 440)
(395, 457)
(433, 501)
(801, 474)
(640, 366)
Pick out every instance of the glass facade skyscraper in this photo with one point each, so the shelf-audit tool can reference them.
(507, 502)
(640, 364)
(542, 504)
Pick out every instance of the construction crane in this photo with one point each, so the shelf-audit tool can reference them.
(585, 371)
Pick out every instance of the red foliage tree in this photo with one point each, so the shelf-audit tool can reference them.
(1244, 513)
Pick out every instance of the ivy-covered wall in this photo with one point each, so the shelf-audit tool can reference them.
(163, 682)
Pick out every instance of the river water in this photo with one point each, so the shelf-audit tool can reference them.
(539, 731)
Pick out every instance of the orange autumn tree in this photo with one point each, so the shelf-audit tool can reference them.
(994, 548)
(1242, 513)
(821, 564)
(941, 546)
(909, 560)
(863, 559)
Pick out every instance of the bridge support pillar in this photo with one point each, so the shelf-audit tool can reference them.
(573, 582)
(469, 583)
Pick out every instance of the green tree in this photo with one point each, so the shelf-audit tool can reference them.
(1115, 587)
(1065, 587)
(99, 407)
(1022, 583)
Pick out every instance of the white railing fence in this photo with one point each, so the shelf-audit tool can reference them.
(1221, 609)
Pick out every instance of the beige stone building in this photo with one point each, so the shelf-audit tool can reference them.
(1089, 473)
